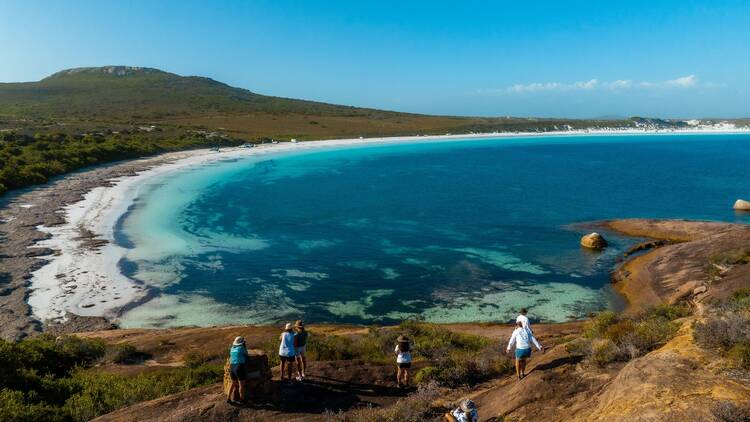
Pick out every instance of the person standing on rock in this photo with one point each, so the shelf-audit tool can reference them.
(522, 338)
(286, 351)
(237, 370)
(524, 320)
(403, 361)
(300, 344)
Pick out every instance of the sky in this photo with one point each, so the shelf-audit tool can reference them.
(666, 58)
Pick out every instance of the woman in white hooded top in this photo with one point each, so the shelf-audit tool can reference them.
(522, 338)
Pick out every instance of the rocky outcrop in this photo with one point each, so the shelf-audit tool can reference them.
(742, 205)
(593, 241)
(677, 271)
(259, 375)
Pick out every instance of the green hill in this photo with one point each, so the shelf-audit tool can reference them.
(97, 98)
(123, 93)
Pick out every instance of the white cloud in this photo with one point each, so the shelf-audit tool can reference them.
(688, 81)
(591, 84)
(683, 82)
(619, 84)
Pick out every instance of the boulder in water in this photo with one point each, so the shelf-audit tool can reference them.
(742, 205)
(593, 241)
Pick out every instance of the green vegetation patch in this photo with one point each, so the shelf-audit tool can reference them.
(26, 161)
(452, 358)
(611, 337)
(727, 329)
(50, 379)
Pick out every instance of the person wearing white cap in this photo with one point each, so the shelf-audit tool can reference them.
(287, 353)
(237, 369)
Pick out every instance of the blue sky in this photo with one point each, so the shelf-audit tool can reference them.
(670, 58)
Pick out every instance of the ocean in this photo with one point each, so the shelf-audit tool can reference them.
(445, 231)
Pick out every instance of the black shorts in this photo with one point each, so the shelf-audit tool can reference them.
(405, 365)
(238, 372)
(287, 358)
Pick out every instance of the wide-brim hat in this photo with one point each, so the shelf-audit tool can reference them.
(238, 341)
(288, 326)
(402, 339)
(299, 324)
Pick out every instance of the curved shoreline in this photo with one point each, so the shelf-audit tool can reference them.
(82, 240)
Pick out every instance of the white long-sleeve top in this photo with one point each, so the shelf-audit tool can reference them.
(523, 338)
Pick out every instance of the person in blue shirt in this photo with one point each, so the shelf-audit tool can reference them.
(237, 369)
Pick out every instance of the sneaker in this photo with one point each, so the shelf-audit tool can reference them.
(299, 378)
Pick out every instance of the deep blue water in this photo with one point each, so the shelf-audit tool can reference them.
(446, 231)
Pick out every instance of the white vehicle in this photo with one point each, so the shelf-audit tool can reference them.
(294, 141)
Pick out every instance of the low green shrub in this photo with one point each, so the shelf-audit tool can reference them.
(596, 327)
(123, 353)
(428, 341)
(98, 393)
(196, 358)
(466, 368)
(668, 312)
(416, 407)
(44, 379)
(609, 337)
(604, 351)
(740, 354)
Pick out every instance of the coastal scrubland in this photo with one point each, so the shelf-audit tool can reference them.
(100, 372)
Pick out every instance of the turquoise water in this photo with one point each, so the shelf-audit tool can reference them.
(445, 231)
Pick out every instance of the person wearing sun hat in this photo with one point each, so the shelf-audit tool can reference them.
(237, 369)
(403, 361)
(466, 412)
(300, 345)
(286, 351)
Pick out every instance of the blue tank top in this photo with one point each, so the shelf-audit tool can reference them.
(237, 355)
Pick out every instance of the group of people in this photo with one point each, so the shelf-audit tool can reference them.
(292, 346)
(293, 342)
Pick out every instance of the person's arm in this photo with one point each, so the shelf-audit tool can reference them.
(536, 343)
(512, 340)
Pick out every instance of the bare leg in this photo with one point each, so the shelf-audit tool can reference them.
(289, 370)
(518, 368)
(398, 375)
(406, 376)
(523, 367)
(298, 360)
(241, 389)
(283, 369)
(304, 365)
(232, 391)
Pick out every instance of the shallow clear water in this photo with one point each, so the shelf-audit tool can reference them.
(446, 231)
